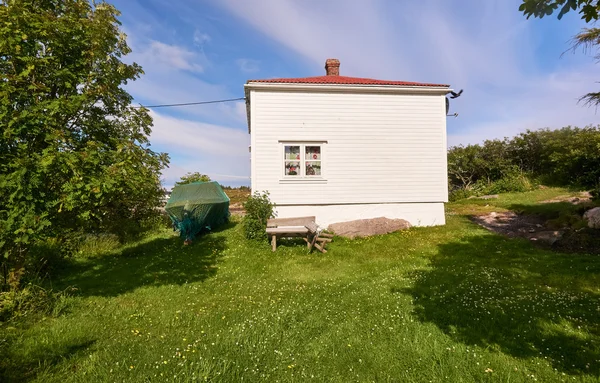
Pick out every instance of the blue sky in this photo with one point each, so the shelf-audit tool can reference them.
(198, 50)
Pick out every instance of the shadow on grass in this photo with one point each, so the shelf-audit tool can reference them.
(507, 295)
(14, 368)
(162, 261)
(577, 238)
(550, 210)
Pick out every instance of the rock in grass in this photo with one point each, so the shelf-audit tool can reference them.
(368, 227)
(592, 217)
(491, 196)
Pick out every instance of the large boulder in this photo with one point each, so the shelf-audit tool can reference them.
(593, 217)
(368, 227)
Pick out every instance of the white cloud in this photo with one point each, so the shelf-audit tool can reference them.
(248, 65)
(349, 30)
(167, 80)
(218, 151)
(172, 56)
(201, 38)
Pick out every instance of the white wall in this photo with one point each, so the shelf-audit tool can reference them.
(380, 148)
(418, 214)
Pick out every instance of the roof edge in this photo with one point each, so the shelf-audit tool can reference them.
(385, 89)
(366, 88)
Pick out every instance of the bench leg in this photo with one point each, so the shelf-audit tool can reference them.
(274, 242)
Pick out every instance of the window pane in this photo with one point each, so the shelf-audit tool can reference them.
(313, 153)
(313, 168)
(292, 153)
(292, 168)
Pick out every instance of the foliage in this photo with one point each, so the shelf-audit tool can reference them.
(539, 8)
(259, 209)
(564, 157)
(589, 40)
(74, 153)
(193, 177)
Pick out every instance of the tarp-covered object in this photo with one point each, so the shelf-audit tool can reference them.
(196, 207)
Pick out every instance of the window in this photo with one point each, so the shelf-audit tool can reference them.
(302, 160)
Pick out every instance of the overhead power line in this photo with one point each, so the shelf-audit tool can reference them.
(191, 103)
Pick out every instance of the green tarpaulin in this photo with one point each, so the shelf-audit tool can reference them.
(196, 207)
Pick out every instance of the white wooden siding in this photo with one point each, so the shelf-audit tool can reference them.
(380, 148)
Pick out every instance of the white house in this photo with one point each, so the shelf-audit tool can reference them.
(344, 148)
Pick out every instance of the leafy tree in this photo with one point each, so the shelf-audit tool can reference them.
(539, 8)
(74, 152)
(588, 39)
(193, 177)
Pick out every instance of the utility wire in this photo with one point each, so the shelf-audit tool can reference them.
(191, 103)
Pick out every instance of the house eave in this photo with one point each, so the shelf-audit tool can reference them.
(342, 88)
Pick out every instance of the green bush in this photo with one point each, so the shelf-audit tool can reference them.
(458, 194)
(259, 209)
(514, 182)
(509, 183)
(568, 156)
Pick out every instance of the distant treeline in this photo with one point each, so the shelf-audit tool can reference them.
(565, 157)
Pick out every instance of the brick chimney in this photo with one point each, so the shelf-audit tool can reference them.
(332, 67)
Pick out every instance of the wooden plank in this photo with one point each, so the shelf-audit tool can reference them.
(321, 249)
(326, 240)
(307, 242)
(312, 227)
(287, 230)
(274, 242)
(326, 235)
(294, 221)
(313, 241)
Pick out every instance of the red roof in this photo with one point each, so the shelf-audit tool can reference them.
(344, 80)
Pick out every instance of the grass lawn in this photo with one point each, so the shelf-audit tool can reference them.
(454, 303)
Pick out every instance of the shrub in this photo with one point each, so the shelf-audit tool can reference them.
(509, 183)
(458, 194)
(562, 157)
(259, 209)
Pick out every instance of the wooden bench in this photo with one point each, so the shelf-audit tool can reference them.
(304, 227)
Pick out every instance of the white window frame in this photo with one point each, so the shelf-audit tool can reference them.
(302, 144)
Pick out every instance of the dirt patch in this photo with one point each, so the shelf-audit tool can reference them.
(583, 197)
(368, 227)
(514, 225)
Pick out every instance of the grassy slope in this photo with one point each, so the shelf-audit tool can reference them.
(453, 303)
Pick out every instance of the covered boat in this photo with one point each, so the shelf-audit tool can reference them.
(197, 207)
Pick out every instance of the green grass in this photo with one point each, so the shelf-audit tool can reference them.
(453, 303)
